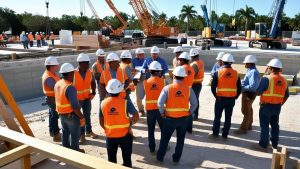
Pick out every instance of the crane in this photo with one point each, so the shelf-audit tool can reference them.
(157, 33)
(268, 39)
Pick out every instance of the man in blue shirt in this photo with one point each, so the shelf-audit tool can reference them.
(155, 56)
(249, 86)
(137, 64)
(218, 64)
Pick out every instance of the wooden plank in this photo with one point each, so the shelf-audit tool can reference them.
(283, 157)
(275, 160)
(14, 107)
(298, 166)
(8, 118)
(58, 152)
(35, 158)
(14, 154)
(26, 162)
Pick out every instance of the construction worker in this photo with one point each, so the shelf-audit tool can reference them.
(249, 86)
(218, 64)
(84, 83)
(113, 72)
(23, 39)
(52, 38)
(137, 64)
(125, 64)
(198, 67)
(116, 122)
(273, 91)
(49, 80)
(43, 38)
(31, 38)
(178, 50)
(152, 88)
(155, 56)
(68, 108)
(226, 87)
(183, 60)
(38, 39)
(176, 103)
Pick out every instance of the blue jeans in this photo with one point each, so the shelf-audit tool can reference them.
(269, 115)
(169, 126)
(221, 104)
(70, 131)
(125, 143)
(53, 117)
(152, 117)
(86, 106)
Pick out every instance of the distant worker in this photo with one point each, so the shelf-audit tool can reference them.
(177, 50)
(52, 38)
(226, 87)
(249, 85)
(43, 38)
(84, 82)
(38, 39)
(31, 39)
(49, 80)
(116, 122)
(218, 64)
(198, 66)
(137, 65)
(152, 89)
(155, 56)
(183, 60)
(68, 108)
(273, 91)
(98, 68)
(176, 103)
(23, 39)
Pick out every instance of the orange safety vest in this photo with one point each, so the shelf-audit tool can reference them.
(200, 75)
(177, 104)
(227, 78)
(83, 86)
(30, 37)
(153, 86)
(52, 37)
(276, 90)
(38, 37)
(100, 68)
(189, 79)
(124, 66)
(46, 89)
(116, 120)
(63, 105)
(121, 76)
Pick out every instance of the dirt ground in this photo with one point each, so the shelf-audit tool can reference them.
(199, 151)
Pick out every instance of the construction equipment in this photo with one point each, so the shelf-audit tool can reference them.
(265, 38)
(296, 38)
(156, 33)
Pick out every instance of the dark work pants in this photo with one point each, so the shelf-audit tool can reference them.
(197, 89)
(86, 106)
(152, 117)
(53, 117)
(125, 143)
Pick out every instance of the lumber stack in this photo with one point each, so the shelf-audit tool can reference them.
(86, 40)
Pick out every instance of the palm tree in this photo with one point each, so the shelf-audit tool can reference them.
(248, 14)
(187, 12)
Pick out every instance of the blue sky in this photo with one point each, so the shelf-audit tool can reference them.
(170, 7)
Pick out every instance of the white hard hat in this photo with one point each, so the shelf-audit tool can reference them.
(194, 52)
(178, 49)
(37, 32)
(66, 68)
(154, 49)
(51, 32)
(220, 55)
(227, 58)
(100, 52)
(83, 57)
(179, 71)
(275, 63)
(112, 57)
(184, 55)
(139, 51)
(155, 65)
(126, 55)
(250, 59)
(114, 86)
(51, 60)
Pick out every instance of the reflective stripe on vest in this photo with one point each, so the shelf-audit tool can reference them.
(276, 90)
(48, 91)
(83, 86)
(63, 105)
(177, 104)
(227, 78)
(153, 87)
(200, 75)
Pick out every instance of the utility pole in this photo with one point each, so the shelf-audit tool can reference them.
(48, 28)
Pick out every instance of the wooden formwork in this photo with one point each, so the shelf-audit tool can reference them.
(279, 158)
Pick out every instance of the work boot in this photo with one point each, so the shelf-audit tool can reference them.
(213, 136)
(143, 114)
(92, 135)
(81, 150)
(240, 131)
(250, 127)
(82, 139)
(57, 137)
(257, 147)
